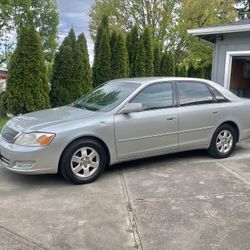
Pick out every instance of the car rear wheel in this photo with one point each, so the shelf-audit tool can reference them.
(223, 142)
(83, 161)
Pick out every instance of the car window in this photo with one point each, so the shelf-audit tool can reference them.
(193, 93)
(219, 97)
(156, 96)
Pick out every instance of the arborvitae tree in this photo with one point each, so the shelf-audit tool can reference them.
(128, 47)
(132, 46)
(65, 83)
(96, 50)
(113, 40)
(119, 58)
(149, 63)
(102, 67)
(140, 59)
(27, 85)
(105, 23)
(103, 27)
(70, 39)
(157, 60)
(167, 65)
(84, 66)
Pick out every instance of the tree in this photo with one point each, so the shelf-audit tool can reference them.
(15, 15)
(243, 8)
(119, 57)
(84, 66)
(132, 45)
(103, 28)
(66, 85)
(188, 50)
(167, 65)
(27, 85)
(124, 14)
(169, 21)
(140, 59)
(157, 60)
(102, 67)
(149, 62)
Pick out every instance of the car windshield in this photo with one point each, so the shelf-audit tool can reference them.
(106, 97)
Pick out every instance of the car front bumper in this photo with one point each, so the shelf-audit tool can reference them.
(28, 160)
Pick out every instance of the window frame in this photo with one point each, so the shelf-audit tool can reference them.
(174, 100)
(213, 90)
(193, 104)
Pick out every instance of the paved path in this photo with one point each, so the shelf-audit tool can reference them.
(181, 201)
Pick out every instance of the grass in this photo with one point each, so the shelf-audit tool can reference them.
(2, 122)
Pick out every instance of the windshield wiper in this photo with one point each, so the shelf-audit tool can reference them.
(79, 106)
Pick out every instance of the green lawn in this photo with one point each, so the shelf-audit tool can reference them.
(2, 122)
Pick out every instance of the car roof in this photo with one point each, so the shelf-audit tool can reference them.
(147, 80)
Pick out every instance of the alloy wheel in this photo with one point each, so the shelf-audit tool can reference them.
(224, 141)
(84, 162)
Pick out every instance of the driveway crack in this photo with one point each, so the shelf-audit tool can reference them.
(24, 240)
(131, 213)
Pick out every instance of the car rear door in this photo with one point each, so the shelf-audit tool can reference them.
(199, 114)
(152, 131)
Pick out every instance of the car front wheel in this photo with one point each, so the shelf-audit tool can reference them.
(223, 142)
(83, 161)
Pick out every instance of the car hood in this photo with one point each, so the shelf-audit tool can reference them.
(39, 121)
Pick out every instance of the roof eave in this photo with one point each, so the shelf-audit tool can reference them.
(219, 30)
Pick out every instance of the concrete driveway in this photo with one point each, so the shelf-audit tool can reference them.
(181, 201)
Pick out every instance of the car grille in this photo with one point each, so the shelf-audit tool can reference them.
(9, 134)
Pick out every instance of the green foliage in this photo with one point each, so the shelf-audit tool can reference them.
(149, 62)
(49, 70)
(125, 14)
(167, 65)
(66, 85)
(3, 104)
(96, 51)
(204, 72)
(140, 59)
(157, 60)
(119, 57)
(27, 85)
(181, 71)
(132, 41)
(169, 22)
(99, 45)
(42, 14)
(85, 75)
(2, 122)
(103, 67)
(243, 8)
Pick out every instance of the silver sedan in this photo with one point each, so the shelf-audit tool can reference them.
(123, 120)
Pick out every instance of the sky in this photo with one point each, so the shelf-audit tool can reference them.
(74, 14)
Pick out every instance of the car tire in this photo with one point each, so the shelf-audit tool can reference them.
(83, 161)
(223, 142)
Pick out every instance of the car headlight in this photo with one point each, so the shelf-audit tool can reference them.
(34, 139)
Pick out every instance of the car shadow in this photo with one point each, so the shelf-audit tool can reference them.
(150, 161)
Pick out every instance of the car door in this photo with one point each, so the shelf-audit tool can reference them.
(199, 114)
(152, 131)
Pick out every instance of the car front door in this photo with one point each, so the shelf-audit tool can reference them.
(152, 131)
(199, 114)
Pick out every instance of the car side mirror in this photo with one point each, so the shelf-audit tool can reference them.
(131, 107)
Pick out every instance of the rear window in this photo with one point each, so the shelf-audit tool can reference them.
(193, 93)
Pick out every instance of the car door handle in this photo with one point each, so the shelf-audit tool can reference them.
(171, 118)
(215, 112)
